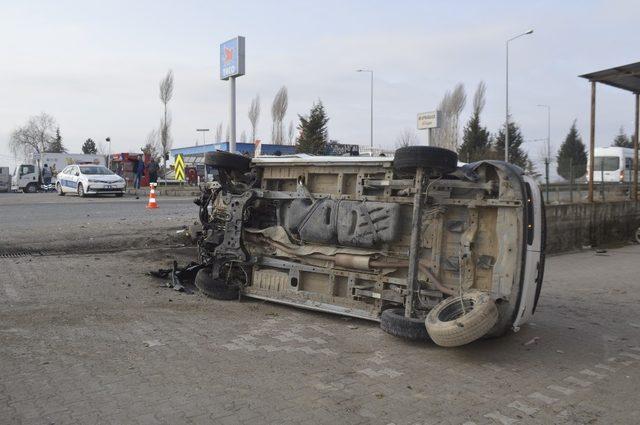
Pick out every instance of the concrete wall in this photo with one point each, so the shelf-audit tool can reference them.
(572, 226)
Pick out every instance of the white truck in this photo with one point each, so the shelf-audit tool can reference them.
(27, 177)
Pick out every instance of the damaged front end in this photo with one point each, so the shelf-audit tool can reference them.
(396, 240)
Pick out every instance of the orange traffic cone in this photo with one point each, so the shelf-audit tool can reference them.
(152, 196)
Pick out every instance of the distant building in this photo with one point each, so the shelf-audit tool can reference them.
(195, 154)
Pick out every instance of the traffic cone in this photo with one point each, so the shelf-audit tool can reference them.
(152, 196)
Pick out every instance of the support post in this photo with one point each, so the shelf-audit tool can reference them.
(635, 150)
(414, 244)
(232, 114)
(592, 139)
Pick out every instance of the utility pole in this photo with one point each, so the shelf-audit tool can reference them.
(371, 95)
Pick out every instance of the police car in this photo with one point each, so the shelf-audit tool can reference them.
(89, 180)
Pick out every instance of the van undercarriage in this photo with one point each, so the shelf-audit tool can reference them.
(393, 240)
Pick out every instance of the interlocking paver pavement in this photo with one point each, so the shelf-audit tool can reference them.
(91, 339)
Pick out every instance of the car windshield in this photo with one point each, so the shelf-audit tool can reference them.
(606, 163)
(93, 170)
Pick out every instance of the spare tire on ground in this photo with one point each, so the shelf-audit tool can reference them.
(461, 320)
(393, 322)
(215, 288)
(227, 161)
(434, 159)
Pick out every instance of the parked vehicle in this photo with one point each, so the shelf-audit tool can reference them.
(612, 164)
(89, 180)
(428, 248)
(27, 176)
(5, 179)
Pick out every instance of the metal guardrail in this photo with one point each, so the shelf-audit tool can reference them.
(577, 192)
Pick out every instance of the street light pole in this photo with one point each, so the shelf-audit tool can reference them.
(371, 119)
(506, 127)
(547, 160)
(202, 130)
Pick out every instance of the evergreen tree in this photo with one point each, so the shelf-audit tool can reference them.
(313, 134)
(572, 154)
(517, 156)
(56, 145)
(89, 147)
(475, 138)
(622, 140)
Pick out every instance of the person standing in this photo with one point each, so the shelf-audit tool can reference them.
(46, 175)
(139, 172)
(153, 171)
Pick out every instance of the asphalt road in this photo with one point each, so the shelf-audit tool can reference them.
(90, 338)
(52, 222)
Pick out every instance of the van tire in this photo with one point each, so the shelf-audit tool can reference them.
(215, 288)
(227, 161)
(435, 159)
(30, 188)
(449, 326)
(393, 322)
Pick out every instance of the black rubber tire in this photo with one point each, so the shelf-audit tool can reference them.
(393, 322)
(227, 161)
(31, 188)
(59, 189)
(448, 326)
(438, 160)
(81, 190)
(215, 288)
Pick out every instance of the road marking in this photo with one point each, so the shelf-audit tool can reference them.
(543, 398)
(524, 408)
(500, 418)
(579, 382)
(589, 372)
(561, 390)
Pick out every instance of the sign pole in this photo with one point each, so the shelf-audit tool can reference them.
(232, 114)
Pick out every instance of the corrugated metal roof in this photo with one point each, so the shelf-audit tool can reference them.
(626, 77)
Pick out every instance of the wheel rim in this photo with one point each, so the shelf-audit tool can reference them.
(455, 311)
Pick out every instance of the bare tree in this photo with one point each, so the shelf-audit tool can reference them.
(254, 116)
(292, 133)
(166, 94)
(243, 137)
(451, 107)
(151, 145)
(219, 133)
(278, 111)
(34, 137)
(408, 137)
(479, 98)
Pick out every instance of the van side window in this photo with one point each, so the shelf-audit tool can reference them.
(628, 163)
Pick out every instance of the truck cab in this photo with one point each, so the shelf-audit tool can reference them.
(25, 178)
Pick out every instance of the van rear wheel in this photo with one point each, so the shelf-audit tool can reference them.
(393, 322)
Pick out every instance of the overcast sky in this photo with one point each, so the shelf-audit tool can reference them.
(95, 66)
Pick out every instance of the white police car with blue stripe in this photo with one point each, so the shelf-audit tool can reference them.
(89, 180)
